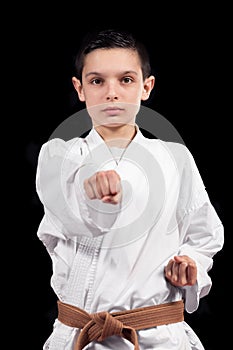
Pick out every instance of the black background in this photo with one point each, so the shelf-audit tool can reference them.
(189, 52)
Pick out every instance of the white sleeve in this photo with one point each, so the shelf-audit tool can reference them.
(203, 238)
(62, 167)
(201, 231)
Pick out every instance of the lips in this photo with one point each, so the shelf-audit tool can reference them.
(113, 110)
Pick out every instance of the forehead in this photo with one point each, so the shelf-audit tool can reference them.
(114, 58)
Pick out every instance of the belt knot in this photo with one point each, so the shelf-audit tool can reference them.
(107, 325)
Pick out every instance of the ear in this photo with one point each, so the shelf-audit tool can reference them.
(147, 88)
(78, 87)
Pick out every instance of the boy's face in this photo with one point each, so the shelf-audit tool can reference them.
(112, 86)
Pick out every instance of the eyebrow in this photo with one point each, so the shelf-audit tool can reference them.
(123, 73)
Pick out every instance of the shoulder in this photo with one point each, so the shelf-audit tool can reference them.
(57, 158)
(179, 151)
(176, 151)
(58, 144)
(59, 148)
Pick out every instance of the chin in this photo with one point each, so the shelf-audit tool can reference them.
(114, 125)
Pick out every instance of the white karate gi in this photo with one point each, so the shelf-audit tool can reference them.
(112, 257)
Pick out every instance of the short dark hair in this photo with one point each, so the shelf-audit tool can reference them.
(109, 39)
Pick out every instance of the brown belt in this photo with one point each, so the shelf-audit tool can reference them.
(101, 325)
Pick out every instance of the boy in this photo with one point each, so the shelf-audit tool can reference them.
(128, 223)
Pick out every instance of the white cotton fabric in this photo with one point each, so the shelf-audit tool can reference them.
(112, 257)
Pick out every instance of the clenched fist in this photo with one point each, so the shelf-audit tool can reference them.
(181, 271)
(104, 185)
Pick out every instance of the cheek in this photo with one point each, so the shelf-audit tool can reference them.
(92, 104)
(133, 96)
(138, 99)
(91, 99)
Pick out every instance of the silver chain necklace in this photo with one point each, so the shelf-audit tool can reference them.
(116, 158)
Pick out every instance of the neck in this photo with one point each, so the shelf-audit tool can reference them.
(119, 136)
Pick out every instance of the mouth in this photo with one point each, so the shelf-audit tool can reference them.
(113, 111)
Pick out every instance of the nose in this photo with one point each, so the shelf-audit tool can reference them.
(111, 94)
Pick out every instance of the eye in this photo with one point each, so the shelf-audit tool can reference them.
(127, 80)
(96, 81)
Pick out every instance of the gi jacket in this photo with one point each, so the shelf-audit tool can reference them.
(111, 257)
